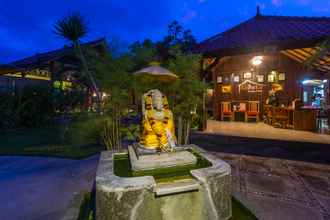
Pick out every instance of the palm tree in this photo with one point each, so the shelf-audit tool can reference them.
(73, 27)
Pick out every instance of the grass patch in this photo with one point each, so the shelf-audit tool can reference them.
(240, 212)
(122, 168)
(87, 208)
(43, 142)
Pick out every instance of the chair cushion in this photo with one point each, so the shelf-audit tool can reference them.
(252, 113)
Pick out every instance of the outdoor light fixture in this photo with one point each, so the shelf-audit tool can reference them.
(312, 82)
(257, 60)
(104, 95)
(307, 81)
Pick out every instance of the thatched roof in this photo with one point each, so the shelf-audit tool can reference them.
(42, 59)
(260, 32)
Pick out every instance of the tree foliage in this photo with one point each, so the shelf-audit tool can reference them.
(142, 54)
(72, 27)
(186, 92)
(115, 77)
(32, 107)
(177, 37)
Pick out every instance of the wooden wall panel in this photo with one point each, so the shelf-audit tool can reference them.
(238, 65)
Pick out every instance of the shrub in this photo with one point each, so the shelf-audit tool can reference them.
(86, 129)
(32, 107)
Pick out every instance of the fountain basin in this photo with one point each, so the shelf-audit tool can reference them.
(197, 193)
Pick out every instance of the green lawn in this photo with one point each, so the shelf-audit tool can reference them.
(43, 142)
(240, 212)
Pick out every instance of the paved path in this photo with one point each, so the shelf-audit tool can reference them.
(33, 188)
(264, 131)
(36, 188)
(280, 189)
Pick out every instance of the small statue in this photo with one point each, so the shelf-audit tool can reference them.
(158, 126)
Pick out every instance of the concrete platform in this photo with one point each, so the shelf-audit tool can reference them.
(264, 131)
(161, 160)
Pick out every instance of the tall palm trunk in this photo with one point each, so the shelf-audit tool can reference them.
(204, 109)
(89, 75)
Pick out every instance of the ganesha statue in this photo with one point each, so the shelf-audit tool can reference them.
(158, 125)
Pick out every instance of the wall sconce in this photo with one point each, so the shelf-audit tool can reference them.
(257, 60)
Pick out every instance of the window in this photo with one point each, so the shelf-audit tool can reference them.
(305, 98)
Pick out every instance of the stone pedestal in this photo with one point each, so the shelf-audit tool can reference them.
(160, 160)
(135, 198)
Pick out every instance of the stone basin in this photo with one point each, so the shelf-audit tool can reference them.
(207, 195)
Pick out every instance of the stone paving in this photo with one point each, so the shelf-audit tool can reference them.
(281, 189)
(264, 131)
(40, 188)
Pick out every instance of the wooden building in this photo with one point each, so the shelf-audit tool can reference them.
(266, 55)
(45, 69)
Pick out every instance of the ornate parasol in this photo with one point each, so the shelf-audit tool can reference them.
(157, 73)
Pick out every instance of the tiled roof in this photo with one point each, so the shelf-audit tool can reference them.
(261, 31)
(41, 58)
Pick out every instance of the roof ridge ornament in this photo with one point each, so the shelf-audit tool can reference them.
(258, 11)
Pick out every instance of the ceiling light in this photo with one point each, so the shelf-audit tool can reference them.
(257, 60)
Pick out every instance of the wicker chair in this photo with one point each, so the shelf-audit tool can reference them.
(268, 114)
(253, 111)
(281, 116)
(226, 111)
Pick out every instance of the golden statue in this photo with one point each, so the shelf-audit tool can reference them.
(158, 126)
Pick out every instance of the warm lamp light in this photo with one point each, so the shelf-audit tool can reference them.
(257, 60)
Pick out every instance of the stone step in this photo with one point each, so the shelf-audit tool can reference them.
(178, 186)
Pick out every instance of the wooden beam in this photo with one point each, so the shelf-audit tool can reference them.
(302, 53)
(298, 58)
(210, 67)
(292, 57)
(312, 54)
(302, 57)
(321, 67)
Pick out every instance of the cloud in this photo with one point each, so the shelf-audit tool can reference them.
(277, 3)
(190, 14)
(303, 2)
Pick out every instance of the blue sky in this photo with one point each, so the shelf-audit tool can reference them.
(26, 25)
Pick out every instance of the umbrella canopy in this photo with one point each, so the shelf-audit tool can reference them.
(156, 72)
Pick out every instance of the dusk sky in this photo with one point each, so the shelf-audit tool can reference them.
(26, 25)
